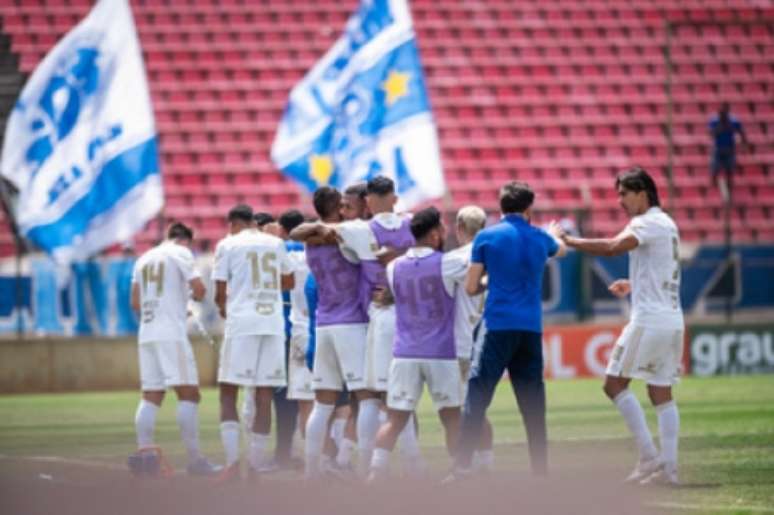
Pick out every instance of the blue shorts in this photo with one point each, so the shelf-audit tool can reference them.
(723, 159)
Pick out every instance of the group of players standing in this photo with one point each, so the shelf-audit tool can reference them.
(393, 312)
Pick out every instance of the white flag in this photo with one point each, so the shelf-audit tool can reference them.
(80, 145)
(363, 110)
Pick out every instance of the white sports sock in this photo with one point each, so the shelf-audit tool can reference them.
(229, 436)
(381, 459)
(145, 423)
(668, 430)
(344, 456)
(337, 430)
(316, 427)
(630, 409)
(367, 427)
(483, 460)
(257, 453)
(188, 420)
(248, 408)
(408, 443)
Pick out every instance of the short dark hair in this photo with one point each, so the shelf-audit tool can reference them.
(290, 219)
(240, 213)
(179, 231)
(262, 218)
(425, 221)
(359, 189)
(380, 185)
(326, 200)
(637, 179)
(516, 197)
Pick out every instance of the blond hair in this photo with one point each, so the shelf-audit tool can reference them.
(471, 219)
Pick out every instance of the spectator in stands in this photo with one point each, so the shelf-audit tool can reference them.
(723, 128)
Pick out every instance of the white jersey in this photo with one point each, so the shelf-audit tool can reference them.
(654, 271)
(163, 275)
(299, 309)
(468, 309)
(358, 238)
(252, 263)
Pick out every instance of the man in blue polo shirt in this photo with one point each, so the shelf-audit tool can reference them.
(513, 255)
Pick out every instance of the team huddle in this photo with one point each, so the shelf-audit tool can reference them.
(378, 310)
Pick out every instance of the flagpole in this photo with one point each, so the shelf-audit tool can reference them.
(20, 248)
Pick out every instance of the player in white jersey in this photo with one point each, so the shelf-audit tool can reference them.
(467, 315)
(376, 242)
(651, 345)
(251, 270)
(162, 281)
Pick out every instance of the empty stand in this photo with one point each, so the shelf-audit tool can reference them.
(562, 94)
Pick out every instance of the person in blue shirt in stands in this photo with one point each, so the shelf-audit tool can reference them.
(512, 254)
(723, 128)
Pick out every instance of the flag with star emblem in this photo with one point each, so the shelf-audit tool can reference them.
(363, 110)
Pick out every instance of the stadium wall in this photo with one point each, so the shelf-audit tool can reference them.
(95, 298)
(81, 364)
(570, 351)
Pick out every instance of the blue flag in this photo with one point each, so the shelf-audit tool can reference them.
(363, 110)
(81, 143)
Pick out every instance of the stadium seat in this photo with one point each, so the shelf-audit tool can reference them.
(563, 95)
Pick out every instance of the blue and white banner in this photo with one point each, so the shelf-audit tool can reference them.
(81, 143)
(363, 110)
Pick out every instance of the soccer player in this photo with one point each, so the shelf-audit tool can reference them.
(251, 270)
(513, 253)
(299, 377)
(423, 283)
(375, 242)
(651, 345)
(341, 320)
(353, 202)
(161, 282)
(469, 308)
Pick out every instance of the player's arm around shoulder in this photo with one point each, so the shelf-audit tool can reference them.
(314, 233)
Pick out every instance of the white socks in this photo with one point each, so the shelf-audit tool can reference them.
(229, 436)
(344, 456)
(145, 423)
(380, 459)
(630, 408)
(367, 427)
(257, 450)
(408, 442)
(316, 429)
(483, 460)
(337, 430)
(188, 421)
(668, 430)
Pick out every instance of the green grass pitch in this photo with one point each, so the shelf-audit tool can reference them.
(726, 444)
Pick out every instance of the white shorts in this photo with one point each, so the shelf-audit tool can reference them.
(339, 357)
(167, 364)
(653, 355)
(299, 376)
(407, 376)
(254, 360)
(381, 333)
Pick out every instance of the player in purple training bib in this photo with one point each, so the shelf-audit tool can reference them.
(423, 283)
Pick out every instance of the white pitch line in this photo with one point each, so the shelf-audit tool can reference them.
(711, 507)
